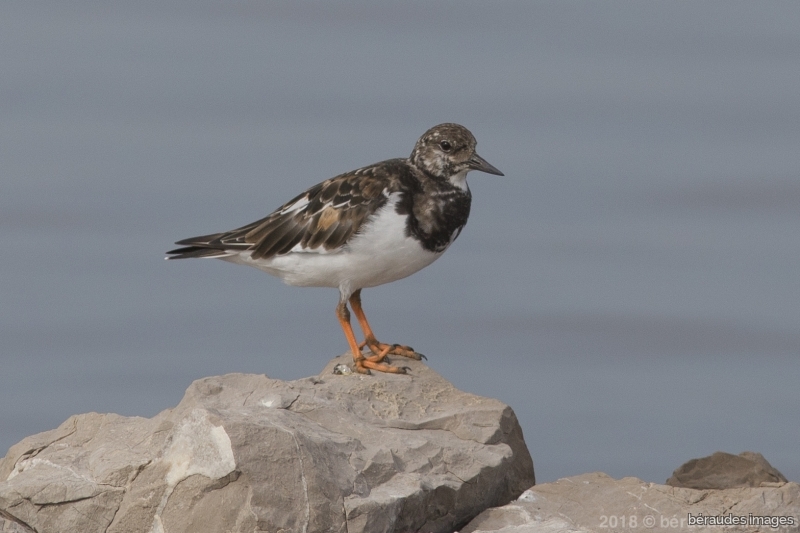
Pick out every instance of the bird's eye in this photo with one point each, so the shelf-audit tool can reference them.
(446, 146)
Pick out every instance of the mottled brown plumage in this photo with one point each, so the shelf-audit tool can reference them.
(325, 216)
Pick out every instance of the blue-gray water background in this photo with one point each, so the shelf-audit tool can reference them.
(631, 287)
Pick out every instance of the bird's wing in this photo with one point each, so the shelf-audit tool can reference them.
(320, 220)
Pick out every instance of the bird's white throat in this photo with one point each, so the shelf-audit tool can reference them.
(460, 180)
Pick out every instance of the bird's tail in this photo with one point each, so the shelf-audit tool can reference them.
(203, 246)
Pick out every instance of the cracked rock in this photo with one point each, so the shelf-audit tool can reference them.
(335, 453)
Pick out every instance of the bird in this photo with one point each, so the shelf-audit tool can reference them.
(361, 229)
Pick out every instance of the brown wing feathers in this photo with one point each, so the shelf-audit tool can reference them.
(336, 209)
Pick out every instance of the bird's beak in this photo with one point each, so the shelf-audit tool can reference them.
(476, 162)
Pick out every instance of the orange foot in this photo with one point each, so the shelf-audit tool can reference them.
(381, 350)
(364, 364)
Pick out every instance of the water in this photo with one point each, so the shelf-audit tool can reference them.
(630, 288)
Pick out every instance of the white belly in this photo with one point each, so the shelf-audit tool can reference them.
(380, 253)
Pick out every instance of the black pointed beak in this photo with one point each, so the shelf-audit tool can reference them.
(476, 162)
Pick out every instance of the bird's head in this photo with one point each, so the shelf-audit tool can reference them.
(448, 151)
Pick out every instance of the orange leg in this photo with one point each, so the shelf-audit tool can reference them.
(362, 364)
(379, 349)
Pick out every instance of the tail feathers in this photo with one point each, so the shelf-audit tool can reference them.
(196, 251)
(202, 240)
(202, 246)
(207, 246)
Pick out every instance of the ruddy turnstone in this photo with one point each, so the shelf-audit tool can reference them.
(361, 229)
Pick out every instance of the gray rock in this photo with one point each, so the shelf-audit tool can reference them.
(597, 503)
(334, 453)
(725, 471)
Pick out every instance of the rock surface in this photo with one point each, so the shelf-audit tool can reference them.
(597, 503)
(7, 526)
(725, 471)
(335, 453)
